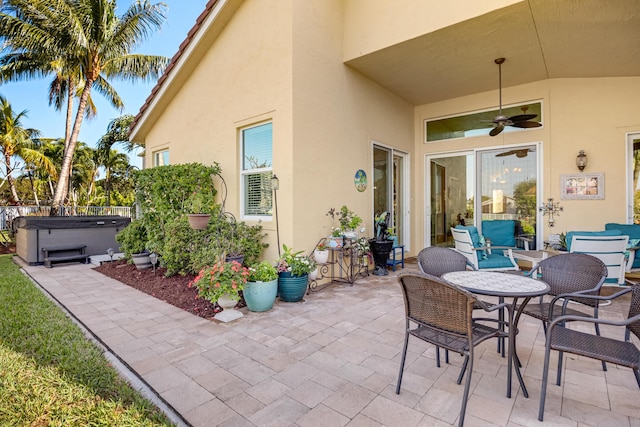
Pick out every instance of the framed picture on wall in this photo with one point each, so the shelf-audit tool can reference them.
(582, 186)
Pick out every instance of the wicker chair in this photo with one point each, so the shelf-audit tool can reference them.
(563, 339)
(436, 261)
(569, 273)
(443, 314)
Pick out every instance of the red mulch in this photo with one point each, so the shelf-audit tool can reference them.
(4, 250)
(173, 290)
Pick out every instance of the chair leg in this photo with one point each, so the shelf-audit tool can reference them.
(462, 370)
(437, 356)
(545, 379)
(636, 372)
(604, 365)
(467, 386)
(559, 375)
(446, 356)
(404, 356)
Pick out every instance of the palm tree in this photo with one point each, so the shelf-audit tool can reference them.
(86, 36)
(17, 143)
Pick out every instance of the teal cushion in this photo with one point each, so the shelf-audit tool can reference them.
(570, 235)
(476, 238)
(500, 232)
(631, 230)
(495, 261)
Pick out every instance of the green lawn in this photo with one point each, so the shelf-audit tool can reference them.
(50, 374)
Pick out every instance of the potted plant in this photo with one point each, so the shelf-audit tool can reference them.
(321, 253)
(380, 245)
(220, 283)
(349, 221)
(293, 274)
(199, 207)
(133, 241)
(261, 287)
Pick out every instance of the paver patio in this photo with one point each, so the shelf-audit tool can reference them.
(331, 360)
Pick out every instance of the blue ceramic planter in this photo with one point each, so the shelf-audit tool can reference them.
(260, 296)
(292, 288)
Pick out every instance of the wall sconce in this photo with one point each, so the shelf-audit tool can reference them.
(581, 160)
(275, 186)
(551, 209)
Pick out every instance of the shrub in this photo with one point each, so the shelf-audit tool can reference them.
(133, 238)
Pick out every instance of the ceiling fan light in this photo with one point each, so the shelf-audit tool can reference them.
(581, 160)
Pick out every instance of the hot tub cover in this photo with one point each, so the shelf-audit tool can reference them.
(56, 222)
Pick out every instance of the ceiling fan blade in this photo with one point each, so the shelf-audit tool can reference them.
(496, 130)
(522, 117)
(526, 124)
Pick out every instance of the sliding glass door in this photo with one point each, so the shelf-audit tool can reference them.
(390, 177)
(506, 181)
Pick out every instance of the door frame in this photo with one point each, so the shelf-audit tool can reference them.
(403, 192)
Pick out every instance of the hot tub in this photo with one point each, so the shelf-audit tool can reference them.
(98, 233)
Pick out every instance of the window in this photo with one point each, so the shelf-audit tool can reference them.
(256, 147)
(478, 123)
(161, 158)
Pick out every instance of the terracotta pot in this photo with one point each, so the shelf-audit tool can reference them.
(198, 221)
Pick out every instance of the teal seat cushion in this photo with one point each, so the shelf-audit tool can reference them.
(494, 260)
(500, 232)
(570, 235)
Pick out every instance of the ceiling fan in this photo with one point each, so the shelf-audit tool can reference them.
(501, 121)
(519, 153)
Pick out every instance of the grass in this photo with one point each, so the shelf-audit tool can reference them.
(50, 374)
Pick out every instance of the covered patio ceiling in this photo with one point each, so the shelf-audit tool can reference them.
(540, 39)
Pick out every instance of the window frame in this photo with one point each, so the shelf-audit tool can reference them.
(245, 173)
(158, 154)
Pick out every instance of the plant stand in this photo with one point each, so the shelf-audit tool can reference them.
(380, 250)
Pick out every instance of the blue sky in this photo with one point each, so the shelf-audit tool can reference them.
(32, 95)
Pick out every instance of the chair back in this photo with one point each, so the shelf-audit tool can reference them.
(573, 272)
(437, 261)
(464, 245)
(609, 249)
(430, 301)
(634, 310)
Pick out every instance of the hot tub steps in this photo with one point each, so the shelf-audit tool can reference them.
(64, 253)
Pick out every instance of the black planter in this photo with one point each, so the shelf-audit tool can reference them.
(380, 250)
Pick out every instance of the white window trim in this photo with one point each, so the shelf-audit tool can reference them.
(243, 173)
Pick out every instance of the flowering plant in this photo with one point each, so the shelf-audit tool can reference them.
(321, 247)
(221, 278)
(295, 262)
(262, 272)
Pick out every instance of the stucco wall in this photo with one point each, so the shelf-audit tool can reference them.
(337, 114)
(243, 79)
(579, 114)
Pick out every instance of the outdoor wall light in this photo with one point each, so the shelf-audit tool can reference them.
(581, 160)
(275, 182)
(110, 252)
(551, 209)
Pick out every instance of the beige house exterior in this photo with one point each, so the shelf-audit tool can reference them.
(343, 82)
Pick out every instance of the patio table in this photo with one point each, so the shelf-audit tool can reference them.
(503, 285)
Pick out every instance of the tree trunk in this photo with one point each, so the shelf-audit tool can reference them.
(67, 161)
(12, 184)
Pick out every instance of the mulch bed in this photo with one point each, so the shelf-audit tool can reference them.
(174, 290)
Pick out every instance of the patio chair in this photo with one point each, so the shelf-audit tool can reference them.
(436, 261)
(506, 232)
(619, 352)
(468, 243)
(569, 273)
(443, 315)
(610, 249)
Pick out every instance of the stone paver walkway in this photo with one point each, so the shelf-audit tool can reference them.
(331, 360)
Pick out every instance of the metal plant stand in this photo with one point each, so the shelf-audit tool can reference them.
(346, 265)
